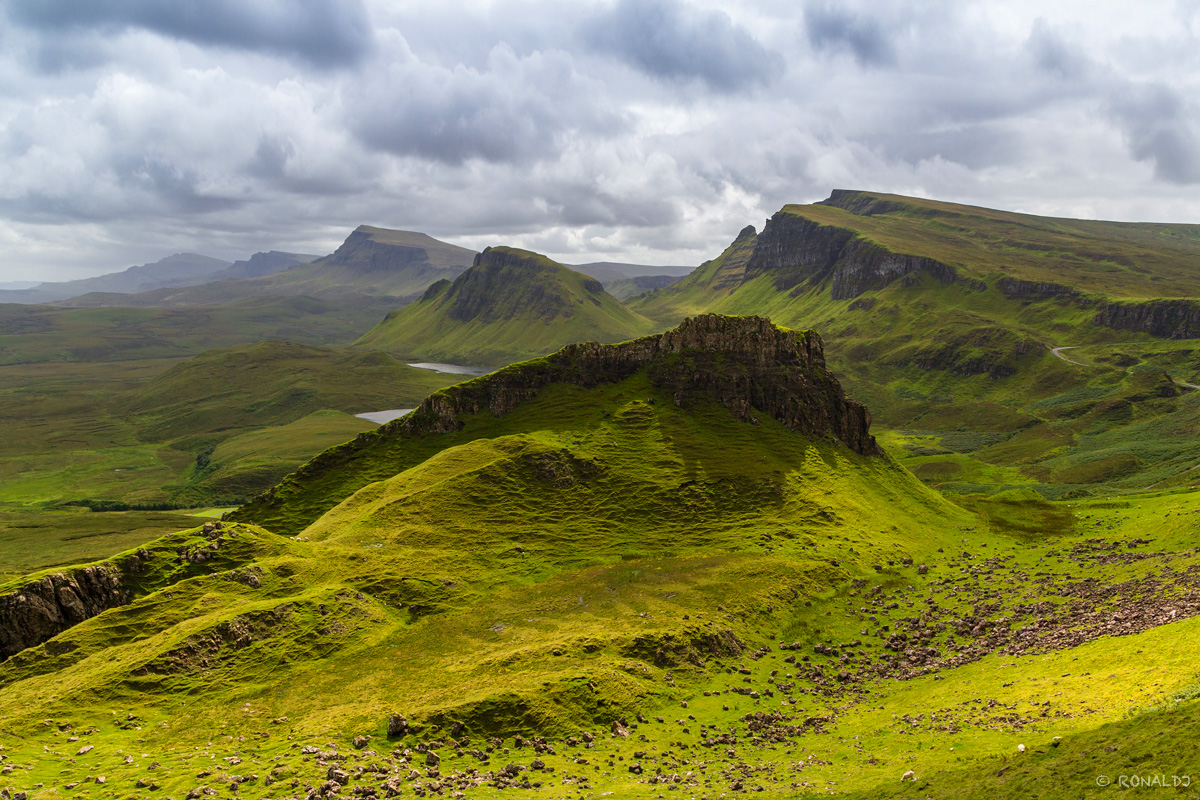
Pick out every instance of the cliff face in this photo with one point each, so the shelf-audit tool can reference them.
(1168, 319)
(41, 610)
(363, 252)
(745, 363)
(796, 251)
(1033, 290)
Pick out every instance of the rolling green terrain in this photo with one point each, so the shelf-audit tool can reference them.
(685, 563)
(511, 305)
(942, 319)
(677, 564)
(157, 431)
(31, 334)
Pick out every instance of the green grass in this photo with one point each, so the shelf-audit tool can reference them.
(1119, 259)
(41, 334)
(269, 384)
(31, 541)
(511, 306)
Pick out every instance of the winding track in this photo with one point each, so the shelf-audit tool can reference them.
(1057, 352)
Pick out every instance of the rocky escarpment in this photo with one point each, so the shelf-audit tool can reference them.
(1167, 319)
(732, 272)
(798, 252)
(1033, 290)
(41, 610)
(745, 363)
(363, 251)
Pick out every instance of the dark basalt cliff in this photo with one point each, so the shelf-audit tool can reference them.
(45, 608)
(798, 252)
(1033, 290)
(745, 363)
(1168, 319)
(361, 251)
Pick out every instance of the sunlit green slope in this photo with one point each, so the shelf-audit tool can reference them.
(511, 305)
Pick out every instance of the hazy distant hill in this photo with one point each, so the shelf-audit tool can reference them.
(511, 304)
(261, 265)
(181, 269)
(372, 262)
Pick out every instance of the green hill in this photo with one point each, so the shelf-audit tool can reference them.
(681, 561)
(511, 304)
(944, 317)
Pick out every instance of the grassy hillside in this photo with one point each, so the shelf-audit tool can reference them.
(1116, 259)
(945, 328)
(270, 383)
(152, 431)
(511, 305)
(616, 586)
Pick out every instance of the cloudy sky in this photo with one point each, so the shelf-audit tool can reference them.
(639, 130)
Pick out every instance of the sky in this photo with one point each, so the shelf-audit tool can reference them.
(648, 131)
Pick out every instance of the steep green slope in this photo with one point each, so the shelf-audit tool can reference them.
(1116, 259)
(943, 319)
(511, 305)
(675, 562)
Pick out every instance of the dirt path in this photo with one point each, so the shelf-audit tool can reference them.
(1057, 352)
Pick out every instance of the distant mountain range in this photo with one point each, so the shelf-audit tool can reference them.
(181, 269)
(372, 262)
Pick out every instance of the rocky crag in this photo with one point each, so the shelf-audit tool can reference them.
(747, 364)
(42, 609)
(798, 253)
(1167, 319)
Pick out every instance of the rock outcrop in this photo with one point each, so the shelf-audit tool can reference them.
(745, 363)
(41, 610)
(1033, 290)
(798, 252)
(1167, 319)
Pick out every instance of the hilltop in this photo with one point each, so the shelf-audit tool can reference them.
(511, 304)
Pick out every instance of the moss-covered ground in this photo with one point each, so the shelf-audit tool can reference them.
(675, 600)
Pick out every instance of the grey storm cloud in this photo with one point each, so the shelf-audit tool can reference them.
(1161, 129)
(323, 32)
(833, 28)
(668, 39)
(516, 110)
(628, 130)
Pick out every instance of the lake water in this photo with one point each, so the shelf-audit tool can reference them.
(381, 417)
(453, 369)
